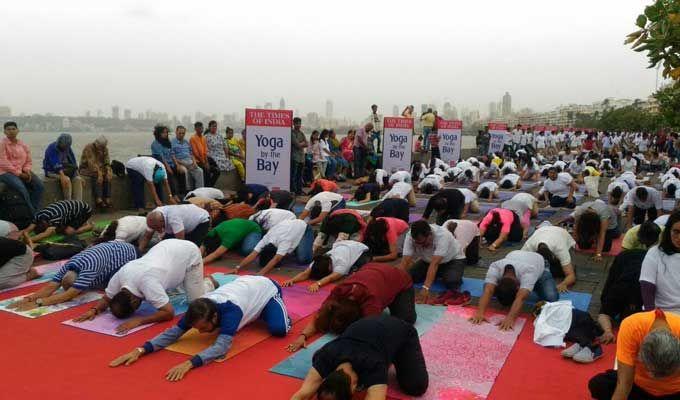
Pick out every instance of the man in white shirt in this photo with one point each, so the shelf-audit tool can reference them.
(402, 190)
(559, 189)
(284, 238)
(629, 164)
(640, 202)
(377, 121)
(170, 264)
(320, 205)
(267, 219)
(184, 221)
(511, 280)
(438, 255)
(555, 244)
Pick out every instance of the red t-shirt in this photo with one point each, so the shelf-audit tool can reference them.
(374, 286)
(326, 185)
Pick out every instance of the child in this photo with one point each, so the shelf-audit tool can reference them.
(318, 158)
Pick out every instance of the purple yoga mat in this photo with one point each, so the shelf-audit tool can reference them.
(414, 217)
(300, 302)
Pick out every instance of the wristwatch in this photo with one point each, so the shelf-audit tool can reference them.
(140, 350)
(39, 302)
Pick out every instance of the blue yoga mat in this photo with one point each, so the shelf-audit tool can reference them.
(298, 364)
(476, 287)
(504, 195)
(179, 300)
(354, 204)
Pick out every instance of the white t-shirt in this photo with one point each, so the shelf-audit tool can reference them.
(130, 228)
(529, 267)
(182, 217)
(432, 179)
(654, 199)
(344, 254)
(475, 173)
(400, 176)
(491, 185)
(558, 240)
(520, 203)
(559, 187)
(620, 184)
(513, 178)
(327, 200)
(380, 175)
(629, 165)
(400, 190)
(540, 141)
(628, 178)
(463, 165)
(509, 164)
(7, 227)
(561, 164)
(250, 293)
(675, 182)
(662, 270)
(443, 244)
(466, 231)
(285, 236)
(271, 217)
(453, 172)
(470, 196)
(145, 166)
(206, 193)
(163, 268)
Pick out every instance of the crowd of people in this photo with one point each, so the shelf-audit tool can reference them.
(371, 252)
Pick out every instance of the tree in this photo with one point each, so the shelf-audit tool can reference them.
(669, 105)
(659, 36)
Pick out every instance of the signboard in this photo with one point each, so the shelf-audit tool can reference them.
(397, 144)
(268, 148)
(498, 133)
(450, 140)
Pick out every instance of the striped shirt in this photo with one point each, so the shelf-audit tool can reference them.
(65, 213)
(96, 265)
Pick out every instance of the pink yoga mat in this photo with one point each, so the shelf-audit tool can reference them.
(47, 270)
(300, 302)
(463, 360)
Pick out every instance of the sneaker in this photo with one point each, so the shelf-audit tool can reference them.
(571, 351)
(461, 299)
(586, 355)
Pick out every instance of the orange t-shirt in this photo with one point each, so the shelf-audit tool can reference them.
(631, 334)
(199, 147)
(326, 185)
(238, 210)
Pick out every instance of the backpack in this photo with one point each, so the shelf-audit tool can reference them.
(68, 248)
(13, 208)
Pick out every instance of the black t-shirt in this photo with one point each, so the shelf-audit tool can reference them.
(396, 208)
(455, 200)
(370, 345)
(370, 188)
(10, 248)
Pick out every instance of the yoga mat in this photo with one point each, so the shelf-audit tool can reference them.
(529, 185)
(299, 304)
(614, 251)
(46, 310)
(463, 360)
(354, 204)
(580, 300)
(484, 208)
(346, 196)
(298, 208)
(48, 271)
(414, 217)
(101, 225)
(546, 213)
(505, 195)
(298, 364)
(421, 202)
(106, 323)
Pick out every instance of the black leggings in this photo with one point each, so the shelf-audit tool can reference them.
(451, 273)
(602, 387)
(211, 173)
(472, 252)
(196, 236)
(639, 214)
(404, 306)
(409, 363)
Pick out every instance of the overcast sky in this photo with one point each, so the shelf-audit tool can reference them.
(217, 57)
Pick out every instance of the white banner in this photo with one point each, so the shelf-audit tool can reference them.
(450, 140)
(397, 144)
(268, 148)
(498, 134)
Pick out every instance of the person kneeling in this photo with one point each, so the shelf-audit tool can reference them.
(226, 310)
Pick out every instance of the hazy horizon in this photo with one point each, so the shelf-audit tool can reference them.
(71, 56)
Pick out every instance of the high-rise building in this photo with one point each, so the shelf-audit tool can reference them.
(140, 116)
(493, 110)
(5, 111)
(88, 114)
(115, 112)
(423, 108)
(127, 113)
(329, 110)
(282, 104)
(395, 110)
(268, 105)
(507, 104)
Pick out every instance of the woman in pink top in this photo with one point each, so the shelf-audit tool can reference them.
(382, 235)
(499, 225)
(15, 167)
(346, 148)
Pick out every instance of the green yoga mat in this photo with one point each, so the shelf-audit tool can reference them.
(56, 238)
(354, 204)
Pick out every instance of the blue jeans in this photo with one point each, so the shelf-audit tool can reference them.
(545, 286)
(375, 135)
(332, 166)
(138, 183)
(31, 191)
(249, 242)
(296, 177)
(303, 252)
(426, 138)
(359, 161)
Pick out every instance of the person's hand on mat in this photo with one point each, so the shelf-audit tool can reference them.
(89, 315)
(288, 283)
(26, 306)
(298, 344)
(562, 288)
(492, 247)
(477, 319)
(422, 296)
(607, 337)
(126, 326)
(19, 303)
(506, 324)
(127, 358)
(314, 287)
(178, 371)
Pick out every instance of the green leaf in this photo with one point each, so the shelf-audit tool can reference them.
(641, 21)
(651, 12)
